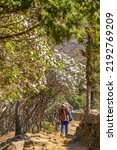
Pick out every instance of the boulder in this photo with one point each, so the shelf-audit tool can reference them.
(19, 145)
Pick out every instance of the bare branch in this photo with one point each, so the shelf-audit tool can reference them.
(18, 34)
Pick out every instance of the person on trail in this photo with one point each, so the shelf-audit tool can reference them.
(64, 118)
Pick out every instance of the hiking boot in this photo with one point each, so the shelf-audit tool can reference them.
(62, 135)
(67, 135)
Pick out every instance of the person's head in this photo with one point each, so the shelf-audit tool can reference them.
(63, 106)
(66, 105)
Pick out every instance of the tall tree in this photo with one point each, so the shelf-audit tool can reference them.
(90, 14)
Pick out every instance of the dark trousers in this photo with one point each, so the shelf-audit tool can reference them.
(64, 127)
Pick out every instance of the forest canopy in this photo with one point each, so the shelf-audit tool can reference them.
(34, 75)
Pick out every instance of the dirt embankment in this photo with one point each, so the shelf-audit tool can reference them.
(89, 130)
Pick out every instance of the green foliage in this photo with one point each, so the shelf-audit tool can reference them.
(15, 5)
(97, 104)
(27, 67)
(34, 73)
(78, 102)
(58, 17)
(90, 30)
(47, 127)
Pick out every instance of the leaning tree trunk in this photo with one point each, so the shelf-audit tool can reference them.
(18, 128)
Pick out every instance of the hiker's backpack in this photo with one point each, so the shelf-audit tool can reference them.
(70, 116)
(64, 114)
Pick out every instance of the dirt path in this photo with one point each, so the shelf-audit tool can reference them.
(72, 146)
(77, 145)
(56, 142)
(44, 141)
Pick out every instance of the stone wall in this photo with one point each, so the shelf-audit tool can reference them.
(89, 130)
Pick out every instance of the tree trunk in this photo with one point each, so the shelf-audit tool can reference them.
(88, 75)
(88, 92)
(88, 99)
(18, 128)
(92, 99)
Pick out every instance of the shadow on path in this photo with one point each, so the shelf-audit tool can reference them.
(76, 145)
